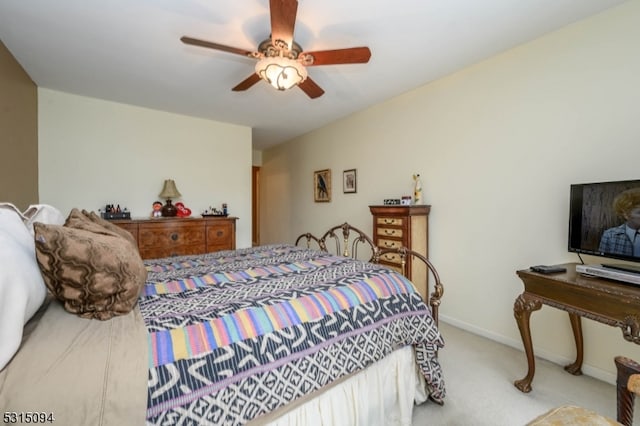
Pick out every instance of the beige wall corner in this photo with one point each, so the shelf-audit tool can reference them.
(18, 133)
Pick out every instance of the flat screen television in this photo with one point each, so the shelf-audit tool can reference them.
(603, 219)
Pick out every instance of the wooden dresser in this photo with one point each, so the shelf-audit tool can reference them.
(165, 237)
(396, 226)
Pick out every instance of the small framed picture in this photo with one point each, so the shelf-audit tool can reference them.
(349, 181)
(322, 186)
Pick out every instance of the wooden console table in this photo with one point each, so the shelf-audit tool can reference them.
(609, 302)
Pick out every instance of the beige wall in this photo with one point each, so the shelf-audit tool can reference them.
(256, 158)
(18, 133)
(94, 152)
(497, 145)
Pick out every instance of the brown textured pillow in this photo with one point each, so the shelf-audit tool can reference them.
(90, 221)
(94, 274)
(110, 226)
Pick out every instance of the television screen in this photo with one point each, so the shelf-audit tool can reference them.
(604, 219)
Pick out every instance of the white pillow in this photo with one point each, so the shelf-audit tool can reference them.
(42, 213)
(22, 289)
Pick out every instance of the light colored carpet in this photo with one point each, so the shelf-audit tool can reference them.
(479, 375)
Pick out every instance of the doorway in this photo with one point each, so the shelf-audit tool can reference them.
(255, 206)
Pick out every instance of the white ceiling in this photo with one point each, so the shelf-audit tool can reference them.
(130, 51)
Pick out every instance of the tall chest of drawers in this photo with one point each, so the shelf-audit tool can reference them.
(165, 237)
(408, 226)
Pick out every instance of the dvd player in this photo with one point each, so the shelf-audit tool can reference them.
(609, 273)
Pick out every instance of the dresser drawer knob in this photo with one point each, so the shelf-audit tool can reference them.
(174, 236)
(389, 231)
(388, 221)
(219, 234)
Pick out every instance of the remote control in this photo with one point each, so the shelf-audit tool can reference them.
(548, 269)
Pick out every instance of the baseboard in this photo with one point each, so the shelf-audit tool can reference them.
(589, 370)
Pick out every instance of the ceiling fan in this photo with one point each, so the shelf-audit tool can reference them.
(281, 61)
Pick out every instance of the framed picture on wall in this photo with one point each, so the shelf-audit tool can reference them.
(322, 186)
(349, 181)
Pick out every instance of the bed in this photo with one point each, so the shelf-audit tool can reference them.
(275, 334)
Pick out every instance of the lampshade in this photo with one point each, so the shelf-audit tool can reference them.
(280, 72)
(169, 190)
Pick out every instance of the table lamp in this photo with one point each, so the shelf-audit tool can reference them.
(169, 191)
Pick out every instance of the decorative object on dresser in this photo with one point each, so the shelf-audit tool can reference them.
(417, 189)
(183, 211)
(113, 211)
(349, 181)
(157, 209)
(181, 236)
(212, 211)
(322, 186)
(403, 226)
(169, 191)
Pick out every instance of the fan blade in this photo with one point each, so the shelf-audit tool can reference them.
(212, 45)
(353, 55)
(247, 83)
(283, 20)
(311, 88)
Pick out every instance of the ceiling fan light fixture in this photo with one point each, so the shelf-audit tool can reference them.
(281, 61)
(280, 72)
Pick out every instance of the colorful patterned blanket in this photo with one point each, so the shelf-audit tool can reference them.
(237, 334)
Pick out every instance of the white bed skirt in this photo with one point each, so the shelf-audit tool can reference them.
(382, 394)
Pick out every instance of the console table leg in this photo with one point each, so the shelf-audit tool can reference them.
(576, 326)
(522, 309)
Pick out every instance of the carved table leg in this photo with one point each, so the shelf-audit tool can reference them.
(522, 309)
(576, 326)
(631, 329)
